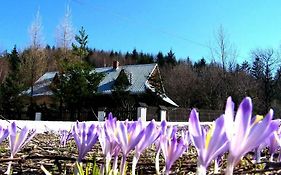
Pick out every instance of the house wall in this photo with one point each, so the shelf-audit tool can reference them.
(47, 100)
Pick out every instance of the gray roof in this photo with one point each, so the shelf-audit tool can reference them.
(41, 86)
(138, 76)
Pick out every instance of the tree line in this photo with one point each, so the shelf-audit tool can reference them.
(190, 84)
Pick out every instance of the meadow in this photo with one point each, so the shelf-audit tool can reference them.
(237, 142)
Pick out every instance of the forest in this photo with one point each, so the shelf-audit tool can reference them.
(190, 84)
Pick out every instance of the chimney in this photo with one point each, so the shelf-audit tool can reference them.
(115, 64)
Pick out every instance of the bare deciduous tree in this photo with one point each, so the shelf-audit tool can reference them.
(35, 32)
(223, 50)
(180, 89)
(4, 69)
(34, 58)
(65, 32)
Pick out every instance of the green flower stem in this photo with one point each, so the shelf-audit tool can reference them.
(123, 165)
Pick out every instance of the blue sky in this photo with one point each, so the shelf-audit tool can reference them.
(185, 26)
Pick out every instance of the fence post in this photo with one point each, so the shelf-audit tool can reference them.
(163, 112)
(142, 110)
(101, 114)
(38, 116)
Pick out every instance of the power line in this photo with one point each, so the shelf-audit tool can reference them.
(149, 26)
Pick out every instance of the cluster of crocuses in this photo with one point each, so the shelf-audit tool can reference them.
(232, 134)
(235, 133)
(123, 137)
(18, 137)
(237, 136)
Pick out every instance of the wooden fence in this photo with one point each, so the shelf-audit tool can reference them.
(182, 114)
(172, 115)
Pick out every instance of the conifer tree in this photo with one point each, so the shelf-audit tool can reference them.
(14, 59)
(171, 58)
(75, 86)
(11, 102)
(160, 59)
(257, 70)
(81, 50)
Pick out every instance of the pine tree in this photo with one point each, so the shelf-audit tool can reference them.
(160, 59)
(14, 59)
(171, 58)
(200, 64)
(135, 55)
(122, 81)
(257, 70)
(245, 66)
(81, 49)
(124, 102)
(76, 85)
(10, 99)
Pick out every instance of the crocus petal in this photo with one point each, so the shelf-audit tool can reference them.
(195, 130)
(31, 134)
(4, 133)
(13, 133)
(150, 135)
(218, 142)
(273, 143)
(171, 157)
(129, 135)
(255, 135)
(242, 123)
(136, 140)
(229, 118)
(260, 133)
(122, 136)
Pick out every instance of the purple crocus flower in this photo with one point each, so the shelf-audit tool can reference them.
(167, 131)
(185, 137)
(151, 133)
(18, 139)
(128, 136)
(172, 149)
(64, 137)
(85, 138)
(243, 134)
(111, 126)
(108, 141)
(3, 133)
(258, 151)
(273, 143)
(209, 145)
